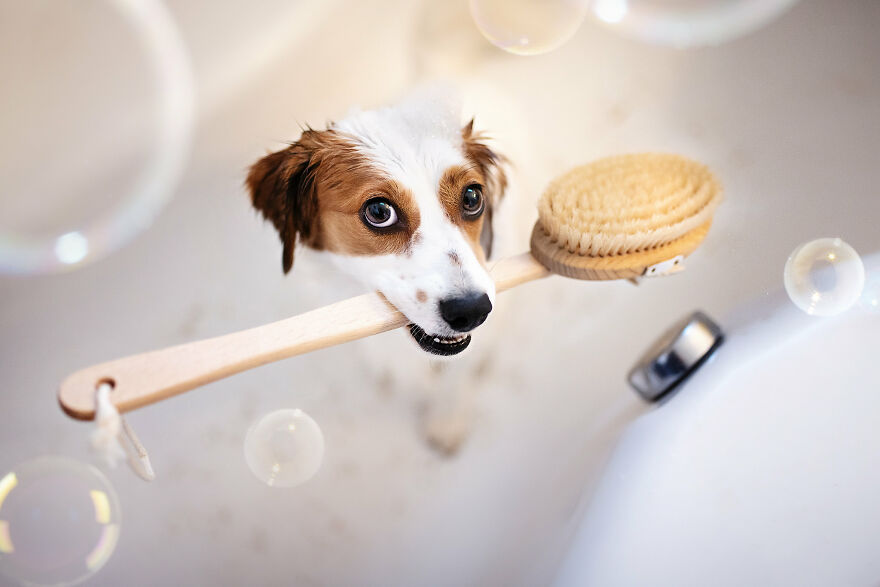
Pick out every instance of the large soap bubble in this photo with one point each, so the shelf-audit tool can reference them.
(59, 522)
(97, 114)
(687, 23)
(528, 27)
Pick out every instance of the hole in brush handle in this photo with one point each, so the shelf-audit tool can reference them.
(106, 381)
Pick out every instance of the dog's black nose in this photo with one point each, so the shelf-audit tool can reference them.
(466, 312)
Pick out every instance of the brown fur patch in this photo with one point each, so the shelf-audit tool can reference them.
(344, 230)
(491, 166)
(279, 190)
(455, 179)
(421, 296)
(316, 188)
(489, 163)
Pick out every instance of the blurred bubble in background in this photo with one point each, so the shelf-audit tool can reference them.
(870, 299)
(97, 112)
(532, 27)
(284, 448)
(528, 27)
(687, 23)
(59, 522)
(824, 277)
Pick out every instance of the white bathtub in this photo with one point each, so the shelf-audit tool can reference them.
(761, 470)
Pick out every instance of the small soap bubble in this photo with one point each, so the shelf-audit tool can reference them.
(870, 299)
(59, 522)
(687, 23)
(824, 277)
(528, 27)
(284, 448)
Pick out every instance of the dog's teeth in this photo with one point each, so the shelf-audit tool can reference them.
(449, 339)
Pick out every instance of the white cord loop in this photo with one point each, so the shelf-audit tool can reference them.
(111, 429)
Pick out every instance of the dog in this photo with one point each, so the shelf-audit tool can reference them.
(402, 199)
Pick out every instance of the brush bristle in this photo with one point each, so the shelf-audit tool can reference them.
(628, 203)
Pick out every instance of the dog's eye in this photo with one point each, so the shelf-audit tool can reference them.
(379, 213)
(472, 201)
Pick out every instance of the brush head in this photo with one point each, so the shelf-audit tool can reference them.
(617, 217)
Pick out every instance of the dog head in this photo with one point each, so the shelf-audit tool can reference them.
(401, 198)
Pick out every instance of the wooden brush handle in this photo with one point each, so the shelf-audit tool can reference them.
(150, 377)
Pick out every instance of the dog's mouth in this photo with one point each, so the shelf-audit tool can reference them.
(439, 345)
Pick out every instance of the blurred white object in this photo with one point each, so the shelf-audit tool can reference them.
(528, 27)
(687, 23)
(108, 425)
(111, 432)
(91, 149)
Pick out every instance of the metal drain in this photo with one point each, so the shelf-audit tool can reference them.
(674, 356)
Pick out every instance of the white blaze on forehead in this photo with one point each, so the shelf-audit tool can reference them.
(416, 139)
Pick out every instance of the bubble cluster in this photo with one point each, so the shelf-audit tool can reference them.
(824, 277)
(528, 27)
(59, 522)
(687, 23)
(284, 448)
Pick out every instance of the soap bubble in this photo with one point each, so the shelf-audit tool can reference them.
(284, 448)
(59, 521)
(824, 277)
(528, 27)
(687, 23)
(870, 299)
(97, 117)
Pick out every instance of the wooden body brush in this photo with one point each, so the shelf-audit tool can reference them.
(618, 218)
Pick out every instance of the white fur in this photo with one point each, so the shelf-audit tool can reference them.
(415, 142)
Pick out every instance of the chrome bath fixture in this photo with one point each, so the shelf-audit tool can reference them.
(674, 356)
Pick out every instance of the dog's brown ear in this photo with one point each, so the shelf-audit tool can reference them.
(491, 165)
(282, 187)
